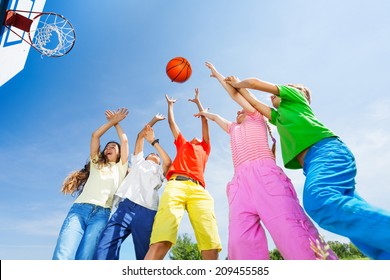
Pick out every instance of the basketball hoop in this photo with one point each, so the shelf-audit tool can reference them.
(49, 33)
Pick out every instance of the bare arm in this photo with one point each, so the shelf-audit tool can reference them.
(223, 123)
(166, 160)
(263, 108)
(139, 143)
(171, 117)
(233, 93)
(158, 117)
(196, 100)
(113, 118)
(205, 124)
(253, 83)
(124, 143)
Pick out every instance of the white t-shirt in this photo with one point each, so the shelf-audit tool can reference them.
(102, 184)
(142, 183)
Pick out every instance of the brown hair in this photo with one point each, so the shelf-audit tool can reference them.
(75, 181)
(273, 149)
(102, 159)
(302, 88)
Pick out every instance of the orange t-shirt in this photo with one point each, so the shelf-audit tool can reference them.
(190, 159)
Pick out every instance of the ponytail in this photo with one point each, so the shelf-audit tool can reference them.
(273, 149)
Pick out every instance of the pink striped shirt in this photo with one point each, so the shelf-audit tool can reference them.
(249, 140)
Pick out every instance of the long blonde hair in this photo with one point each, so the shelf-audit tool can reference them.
(75, 181)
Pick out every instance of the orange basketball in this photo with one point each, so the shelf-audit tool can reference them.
(179, 69)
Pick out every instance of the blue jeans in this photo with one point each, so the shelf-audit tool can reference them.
(80, 232)
(129, 218)
(330, 199)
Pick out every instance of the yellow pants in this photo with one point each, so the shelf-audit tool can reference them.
(186, 195)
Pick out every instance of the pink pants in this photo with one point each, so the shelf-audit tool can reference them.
(260, 193)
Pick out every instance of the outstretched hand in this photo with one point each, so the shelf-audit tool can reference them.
(214, 71)
(196, 98)
(116, 116)
(158, 117)
(232, 80)
(170, 100)
(202, 113)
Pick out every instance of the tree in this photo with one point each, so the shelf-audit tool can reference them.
(346, 251)
(185, 249)
(275, 255)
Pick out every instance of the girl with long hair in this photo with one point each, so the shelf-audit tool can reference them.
(137, 199)
(95, 186)
(260, 193)
(329, 194)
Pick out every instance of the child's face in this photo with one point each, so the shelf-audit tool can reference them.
(275, 101)
(153, 157)
(112, 152)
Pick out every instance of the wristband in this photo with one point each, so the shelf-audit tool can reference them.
(155, 141)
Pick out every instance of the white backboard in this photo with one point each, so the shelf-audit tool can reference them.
(13, 50)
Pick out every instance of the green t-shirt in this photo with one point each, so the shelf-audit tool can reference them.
(297, 125)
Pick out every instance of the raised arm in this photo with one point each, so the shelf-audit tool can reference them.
(118, 116)
(242, 86)
(113, 118)
(139, 143)
(158, 117)
(233, 93)
(253, 83)
(171, 117)
(165, 159)
(205, 124)
(223, 123)
(124, 143)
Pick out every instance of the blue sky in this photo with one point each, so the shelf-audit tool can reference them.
(340, 49)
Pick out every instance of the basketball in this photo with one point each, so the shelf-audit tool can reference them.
(179, 69)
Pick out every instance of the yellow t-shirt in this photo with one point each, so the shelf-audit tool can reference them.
(102, 184)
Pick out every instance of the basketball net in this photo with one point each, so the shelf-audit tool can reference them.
(49, 33)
